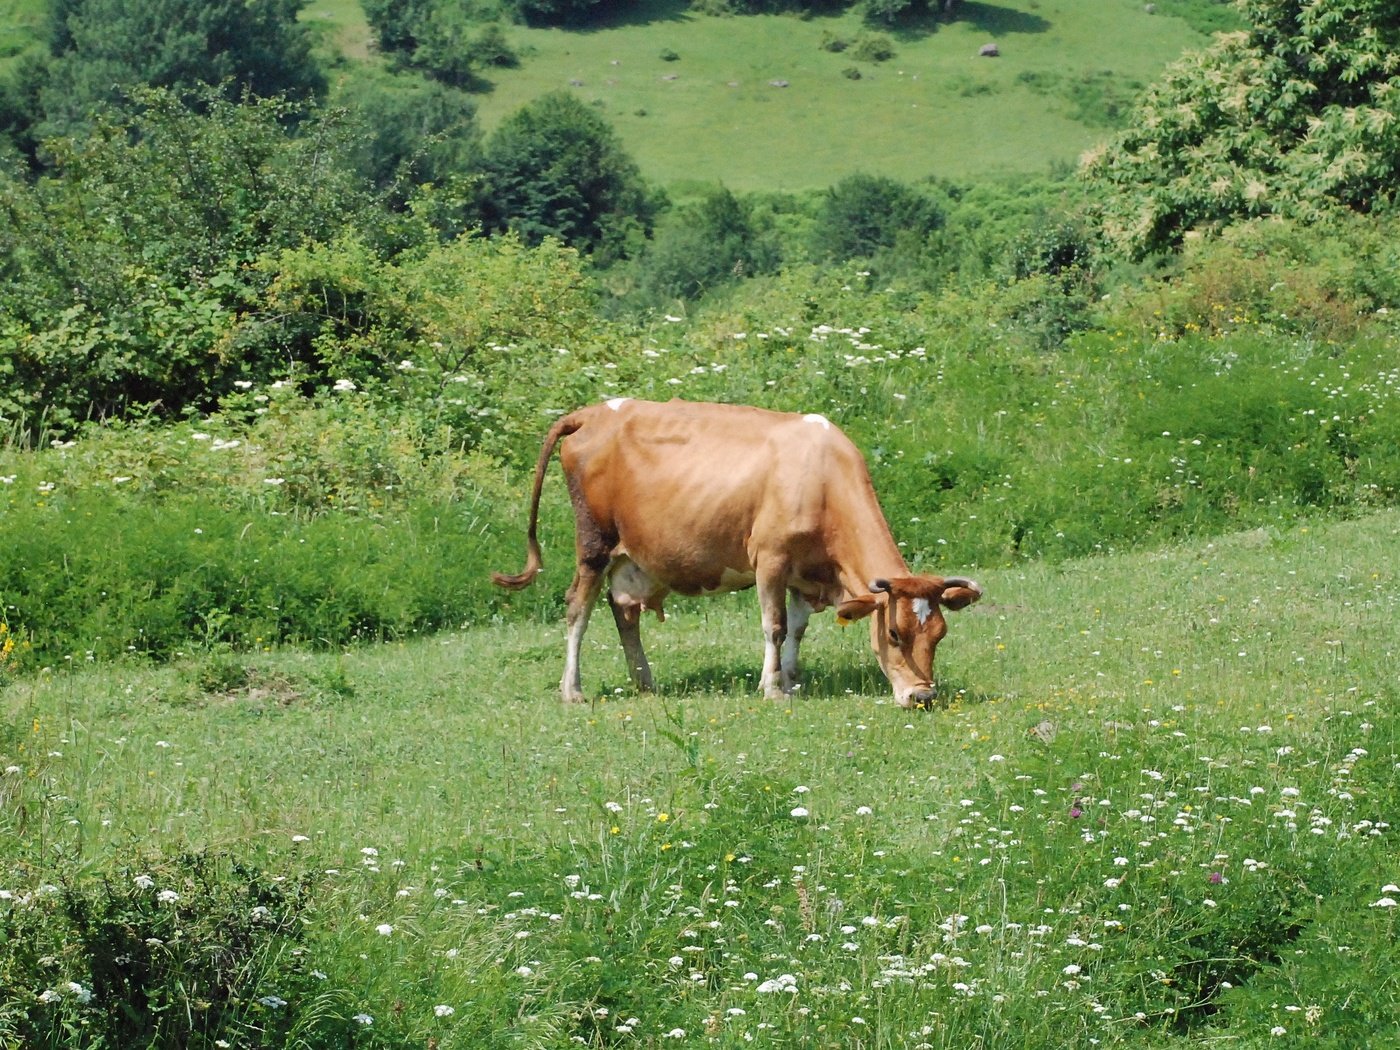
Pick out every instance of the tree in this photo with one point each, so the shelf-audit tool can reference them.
(20, 106)
(555, 168)
(1296, 115)
(123, 266)
(101, 49)
(415, 130)
(703, 246)
(863, 215)
(397, 22)
(889, 11)
(566, 11)
(447, 41)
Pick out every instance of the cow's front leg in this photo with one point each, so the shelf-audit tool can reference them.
(583, 592)
(772, 599)
(798, 613)
(629, 628)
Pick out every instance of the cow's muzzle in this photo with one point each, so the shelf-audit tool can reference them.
(920, 696)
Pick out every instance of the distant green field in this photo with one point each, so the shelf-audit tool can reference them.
(714, 113)
(18, 21)
(342, 25)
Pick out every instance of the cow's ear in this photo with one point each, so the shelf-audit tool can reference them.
(857, 608)
(959, 593)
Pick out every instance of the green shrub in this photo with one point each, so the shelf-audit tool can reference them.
(124, 272)
(702, 247)
(556, 169)
(193, 951)
(863, 215)
(415, 130)
(14, 650)
(1001, 422)
(491, 48)
(471, 330)
(321, 528)
(873, 47)
(1286, 276)
(111, 577)
(104, 52)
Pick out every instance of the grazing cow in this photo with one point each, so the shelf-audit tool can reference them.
(700, 498)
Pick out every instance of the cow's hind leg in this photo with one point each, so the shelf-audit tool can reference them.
(629, 629)
(772, 601)
(592, 556)
(583, 593)
(798, 613)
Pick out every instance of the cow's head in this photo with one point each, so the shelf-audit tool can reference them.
(906, 625)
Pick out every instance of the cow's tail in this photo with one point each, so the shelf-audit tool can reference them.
(563, 427)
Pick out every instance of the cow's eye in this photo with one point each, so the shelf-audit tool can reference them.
(894, 636)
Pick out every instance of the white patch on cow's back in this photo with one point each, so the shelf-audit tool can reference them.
(615, 403)
(922, 609)
(817, 417)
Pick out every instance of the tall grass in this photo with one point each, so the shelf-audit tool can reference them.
(364, 517)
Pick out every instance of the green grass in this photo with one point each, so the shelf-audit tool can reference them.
(936, 108)
(342, 26)
(20, 22)
(1160, 787)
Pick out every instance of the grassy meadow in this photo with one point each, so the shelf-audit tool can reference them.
(1155, 805)
(692, 96)
(693, 100)
(713, 114)
(346, 38)
(279, 768)
(20, 21)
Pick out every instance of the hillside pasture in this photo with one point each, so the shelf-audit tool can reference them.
(714, 114)
(341, 24)
(20, 24)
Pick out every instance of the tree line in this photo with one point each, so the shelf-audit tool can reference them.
(172, 169)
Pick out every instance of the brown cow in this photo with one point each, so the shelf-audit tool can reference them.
(698, 498)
